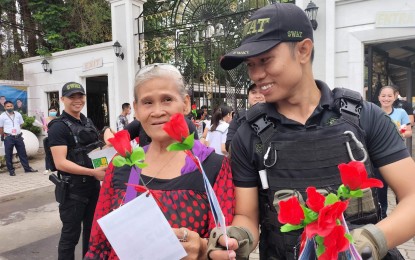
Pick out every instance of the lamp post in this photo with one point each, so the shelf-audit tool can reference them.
(311, 12)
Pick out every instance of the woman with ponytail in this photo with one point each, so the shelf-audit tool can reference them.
(216, 136)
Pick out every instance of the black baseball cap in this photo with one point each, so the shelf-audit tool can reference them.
(71, 88)
(266, 28)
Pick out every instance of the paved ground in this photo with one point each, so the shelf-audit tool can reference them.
(25, 183)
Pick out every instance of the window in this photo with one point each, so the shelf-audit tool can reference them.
(53, 100)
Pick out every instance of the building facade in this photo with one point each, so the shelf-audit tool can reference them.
(358, 44)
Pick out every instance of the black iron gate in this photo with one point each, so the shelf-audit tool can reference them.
(193, 34)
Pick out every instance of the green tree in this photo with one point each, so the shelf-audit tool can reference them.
(40, 27)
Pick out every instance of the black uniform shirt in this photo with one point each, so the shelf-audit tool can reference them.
(384, 144)
(60, 134)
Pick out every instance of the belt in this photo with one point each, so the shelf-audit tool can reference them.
(15, 136)
(76, 179)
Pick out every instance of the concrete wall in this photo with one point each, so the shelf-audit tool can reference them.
(72, 65)
(355, 26)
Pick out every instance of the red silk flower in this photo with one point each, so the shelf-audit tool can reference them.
(327, 219)
(315, 201)
(177, 127)
(193, 106)
(335, 242)
(121, 143)
(354, 176)
(290, 212)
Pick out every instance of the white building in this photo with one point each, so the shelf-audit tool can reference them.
(108, 79)
(346, 30)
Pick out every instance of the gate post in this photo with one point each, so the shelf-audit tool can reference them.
(124, 30)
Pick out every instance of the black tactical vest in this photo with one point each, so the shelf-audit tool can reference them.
(295, 160)
(86, 139)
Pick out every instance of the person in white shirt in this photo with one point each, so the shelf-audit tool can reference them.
(122, 118)
(11, 133)
(216, 136)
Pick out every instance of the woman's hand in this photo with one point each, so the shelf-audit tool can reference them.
(195, 246)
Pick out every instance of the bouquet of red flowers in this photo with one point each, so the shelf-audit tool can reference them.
(325, 230)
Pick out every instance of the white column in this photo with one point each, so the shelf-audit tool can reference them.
(124, 14)
(330, 50)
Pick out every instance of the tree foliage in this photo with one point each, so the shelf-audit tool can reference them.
(40, 27)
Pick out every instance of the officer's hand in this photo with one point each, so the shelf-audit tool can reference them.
(366, 253)
(99, 173)
(370, 242)
(2, 138)
(220, 251)
(240, 241)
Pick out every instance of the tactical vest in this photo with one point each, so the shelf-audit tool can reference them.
(86, 139)
(295, 160)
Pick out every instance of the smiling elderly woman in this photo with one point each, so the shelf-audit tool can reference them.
(160, 93)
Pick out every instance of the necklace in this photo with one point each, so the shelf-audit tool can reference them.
(157, 173)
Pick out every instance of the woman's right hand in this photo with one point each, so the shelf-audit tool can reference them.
(195, 246)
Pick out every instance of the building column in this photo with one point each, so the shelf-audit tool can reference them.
(124, 14)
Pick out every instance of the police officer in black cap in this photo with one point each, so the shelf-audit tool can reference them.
(71, 137)
(297, 139)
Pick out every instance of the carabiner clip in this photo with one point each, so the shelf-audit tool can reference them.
(359, 145)
(266, 157)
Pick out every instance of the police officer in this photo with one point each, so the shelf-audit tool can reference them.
(302, 124)
(69, 147)
(11, 133)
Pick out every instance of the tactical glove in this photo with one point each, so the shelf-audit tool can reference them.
(368, 239)
(243, 236)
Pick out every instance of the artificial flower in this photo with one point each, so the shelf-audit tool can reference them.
(334, 243)
(327, 219)
(315, 201)
(354, 176)
(291, 212)
(322, 216)
(127, 155)
(177, 127)
(121, 143)
(178, 130)
(194, 112)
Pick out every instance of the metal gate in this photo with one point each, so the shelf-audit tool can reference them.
(193, 35)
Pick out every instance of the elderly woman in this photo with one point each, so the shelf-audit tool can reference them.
(160, 93)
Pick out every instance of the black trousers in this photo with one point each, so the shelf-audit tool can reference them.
(77, 214)
(17, 142)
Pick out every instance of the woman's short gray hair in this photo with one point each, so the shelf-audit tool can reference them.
(159, 70)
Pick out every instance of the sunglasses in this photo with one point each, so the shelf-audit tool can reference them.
(150, 67)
